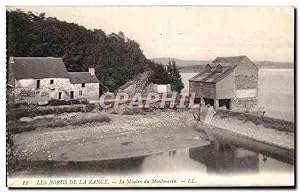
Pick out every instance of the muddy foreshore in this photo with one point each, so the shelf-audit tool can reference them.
(134, 135)
(123, 136)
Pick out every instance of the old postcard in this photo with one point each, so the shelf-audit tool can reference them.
(150, 96)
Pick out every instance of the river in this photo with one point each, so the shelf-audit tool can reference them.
(275, 91)
(226, 154)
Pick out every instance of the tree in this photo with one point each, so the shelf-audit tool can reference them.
(160, 74)
(116, 58)
(167, 75)
(174, 76)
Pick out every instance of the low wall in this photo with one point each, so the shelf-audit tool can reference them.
(275, 132)
(267, 122)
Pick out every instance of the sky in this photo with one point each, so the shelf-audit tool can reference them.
(192, 33)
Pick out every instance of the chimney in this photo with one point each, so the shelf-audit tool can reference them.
(92, 71)
(11, 60)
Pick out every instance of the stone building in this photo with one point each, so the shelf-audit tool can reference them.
(230, 82)
(84, 85)
(40, 79)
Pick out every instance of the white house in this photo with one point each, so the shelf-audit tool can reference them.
(40, 79)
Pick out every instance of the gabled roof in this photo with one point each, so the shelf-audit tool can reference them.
(231, 61)
(82, 77)
(228, 65)
(38, 67)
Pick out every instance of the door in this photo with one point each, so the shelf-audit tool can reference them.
(60, 95)
(72, 95)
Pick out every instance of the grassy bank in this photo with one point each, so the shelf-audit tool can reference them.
(55, 120)
(32, 111)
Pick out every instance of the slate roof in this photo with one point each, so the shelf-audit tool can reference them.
(228, 65)
(231, 61)
(39, 67)
(212, 76)
(82, 77)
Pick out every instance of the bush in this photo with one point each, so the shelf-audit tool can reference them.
(18, 105)
(55, 102)
(82, 118)
(90, 107)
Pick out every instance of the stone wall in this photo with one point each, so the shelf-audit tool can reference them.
(246, 82)
(246, 79)
(90, 91)
(26, 90)
(246, 75)
(245, 104)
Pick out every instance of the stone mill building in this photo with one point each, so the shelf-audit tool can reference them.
(229, 82)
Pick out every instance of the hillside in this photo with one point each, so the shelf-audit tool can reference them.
(115, 57)
(197, 65)
(180, 62)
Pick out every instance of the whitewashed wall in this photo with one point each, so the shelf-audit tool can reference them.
(26, 90)
(89, 92)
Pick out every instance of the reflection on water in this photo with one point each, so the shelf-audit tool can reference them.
(215, 158)
(225, 155)
(225, 159)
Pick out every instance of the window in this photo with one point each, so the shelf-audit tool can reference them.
(83, 85)
(51, 81)
(59, 95)
(72, 94)
(80, 93)
(38, 84)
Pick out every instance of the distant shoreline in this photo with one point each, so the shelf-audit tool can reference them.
(276, 69)
(198, 68)
(196, 65)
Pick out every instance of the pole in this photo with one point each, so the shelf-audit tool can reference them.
(199, 115)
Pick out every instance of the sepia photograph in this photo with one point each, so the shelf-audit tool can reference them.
(150, 96)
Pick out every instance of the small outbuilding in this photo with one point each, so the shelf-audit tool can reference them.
(228, 82)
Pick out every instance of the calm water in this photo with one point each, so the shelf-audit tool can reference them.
(275, 91)
(225, 155)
